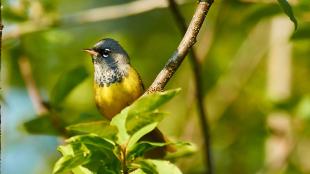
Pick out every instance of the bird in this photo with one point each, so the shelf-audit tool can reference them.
(117, 84)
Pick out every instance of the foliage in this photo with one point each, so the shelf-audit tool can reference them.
(233, 49)
(115, 147)
(54, 122)
(288, 11)
(66, 83)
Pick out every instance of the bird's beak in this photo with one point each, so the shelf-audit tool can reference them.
(90, 51)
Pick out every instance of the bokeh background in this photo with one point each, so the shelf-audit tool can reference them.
(256, 71)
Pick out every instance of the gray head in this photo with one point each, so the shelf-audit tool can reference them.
(110, 61)
(108, 51)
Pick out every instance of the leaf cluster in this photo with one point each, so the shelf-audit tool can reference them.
(101, 146)
(114, 147)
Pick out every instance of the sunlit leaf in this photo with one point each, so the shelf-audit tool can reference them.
(72, 158)
(288, 11)
(91, 151)
(141, 113)
(138, 171)
(82, 170)
(136, 122)
(159, 166)
(183, 150)
(150, 102)
(66, 84)
(120, 121)
(100, 128)
(92, 140)
(67, 163)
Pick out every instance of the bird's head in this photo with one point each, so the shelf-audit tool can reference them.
(108, 52)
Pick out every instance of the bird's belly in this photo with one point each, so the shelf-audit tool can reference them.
(111, 99)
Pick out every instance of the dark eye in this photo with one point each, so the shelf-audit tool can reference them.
(106, 52)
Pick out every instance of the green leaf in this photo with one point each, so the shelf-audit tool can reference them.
(82, 170)
(147, 167)
(140, 113)
(135, 122)
(184, 149)
(120, 121)
(159, 167)
(138, 171)
(100, 128)
(152, 101)
(66, 84)
(139, 149)
(74, 155)
(92, 139)
(303, 32)
(140, 133)
(286, 7)
(67, 163)
(87, 153)
(42, 125)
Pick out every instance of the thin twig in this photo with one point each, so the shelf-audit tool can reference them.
(189, 39)
(35, 96)
(33, 91)
(198, 85)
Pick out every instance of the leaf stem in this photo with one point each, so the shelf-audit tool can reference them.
(123, 159)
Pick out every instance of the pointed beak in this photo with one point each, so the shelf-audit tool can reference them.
(90, 51)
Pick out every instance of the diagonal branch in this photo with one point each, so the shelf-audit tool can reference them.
(33, 91)
(198, 87)
(38, 103)
(189, 39)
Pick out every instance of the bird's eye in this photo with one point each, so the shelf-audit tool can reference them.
(106, 52)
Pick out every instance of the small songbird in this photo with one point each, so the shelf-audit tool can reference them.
(116, 83)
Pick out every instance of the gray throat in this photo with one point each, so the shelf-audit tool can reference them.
(105, 75)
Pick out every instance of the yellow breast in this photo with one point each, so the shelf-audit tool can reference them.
(111, 99)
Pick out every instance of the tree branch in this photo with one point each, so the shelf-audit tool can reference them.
(33, 91)
(198, 87)
(35, 96)
(189, 39)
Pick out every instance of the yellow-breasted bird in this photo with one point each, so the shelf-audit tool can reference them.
(116, 83)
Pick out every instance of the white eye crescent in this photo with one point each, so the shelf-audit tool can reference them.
(106, 52)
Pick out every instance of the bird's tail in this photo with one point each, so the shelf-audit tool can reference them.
(157, 136)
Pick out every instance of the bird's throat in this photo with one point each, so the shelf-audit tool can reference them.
(106, 75)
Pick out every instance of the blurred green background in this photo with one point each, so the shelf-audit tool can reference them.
(256, 71)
